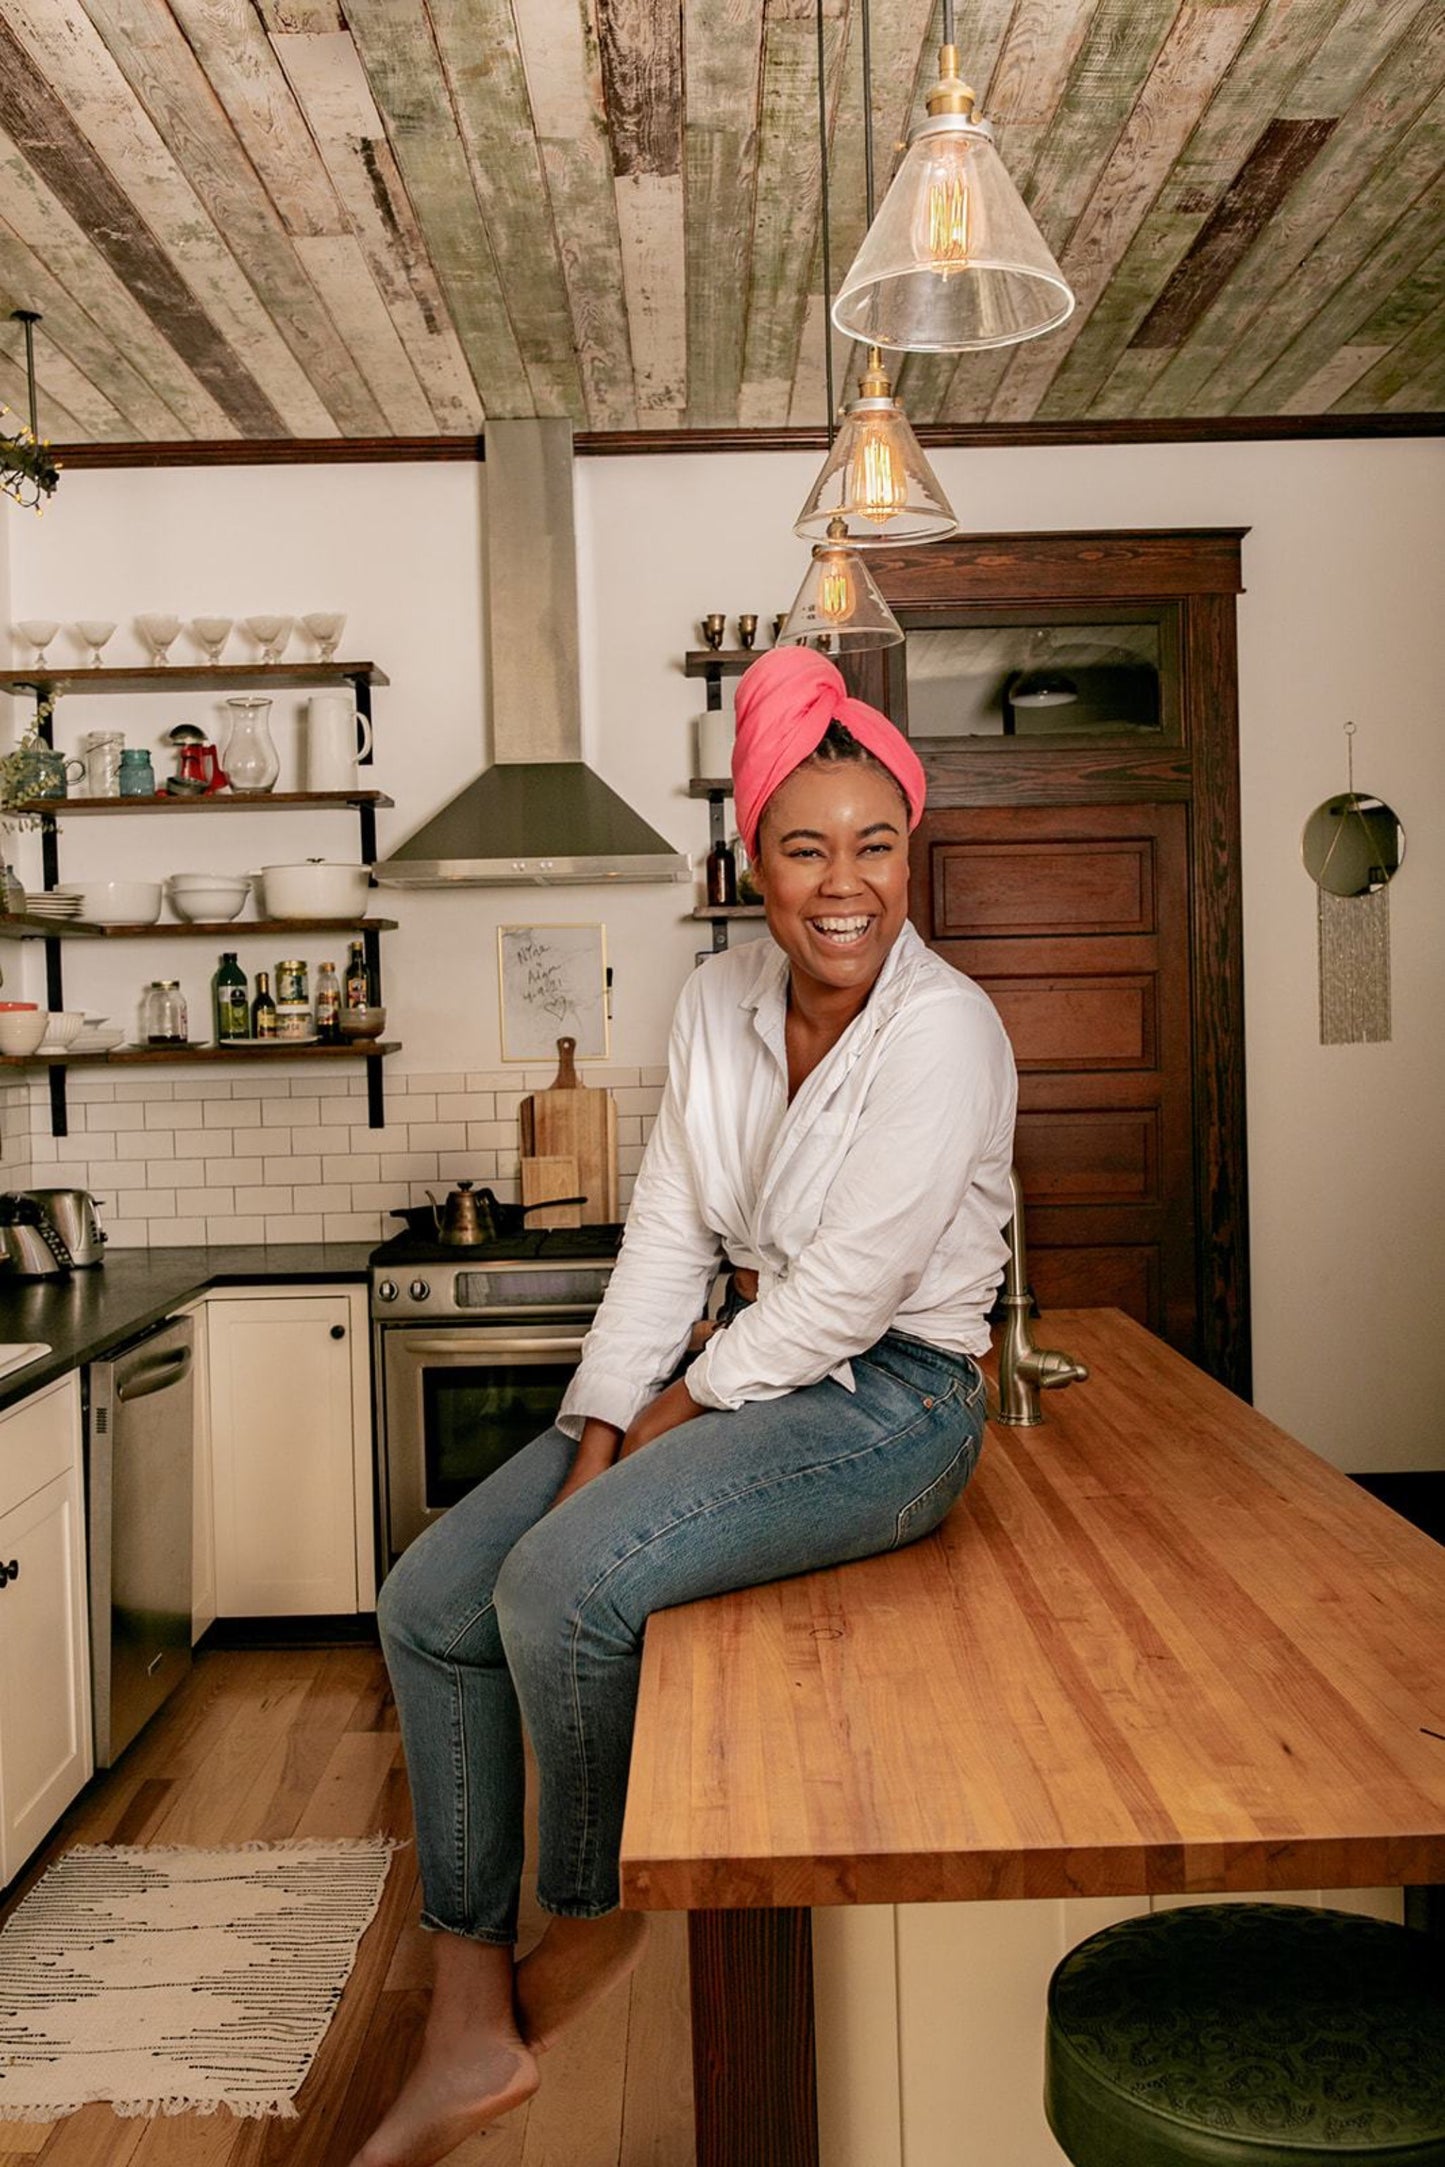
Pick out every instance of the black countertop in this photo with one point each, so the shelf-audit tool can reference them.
(95, 1311)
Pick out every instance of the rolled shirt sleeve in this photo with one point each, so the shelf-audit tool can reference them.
(660, 1283)
(939, 1104)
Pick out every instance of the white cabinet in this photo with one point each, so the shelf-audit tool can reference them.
(45, 1731)
(289, 1416)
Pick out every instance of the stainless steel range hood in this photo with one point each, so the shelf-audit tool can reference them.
(538, 815)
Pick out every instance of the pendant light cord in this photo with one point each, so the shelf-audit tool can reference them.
(948, 24)
(827, 246)
(868, 110)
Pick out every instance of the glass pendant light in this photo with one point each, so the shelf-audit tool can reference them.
(838, 608)
(953, 263)
(876, 479)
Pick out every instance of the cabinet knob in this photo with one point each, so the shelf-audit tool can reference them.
(338, 1331)
(9, 1572)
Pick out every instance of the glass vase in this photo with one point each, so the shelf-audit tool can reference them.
(249, 757)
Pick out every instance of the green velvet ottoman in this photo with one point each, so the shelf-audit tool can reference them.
(1249, 2035)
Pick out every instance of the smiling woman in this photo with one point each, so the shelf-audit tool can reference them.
(837, 1129)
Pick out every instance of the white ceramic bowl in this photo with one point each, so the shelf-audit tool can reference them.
(195, 897)
(21, 1030)
(62, 1025)
(314, 890)
(98, 1040)
(120, 902)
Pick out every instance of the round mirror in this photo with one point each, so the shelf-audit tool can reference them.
(1352, 844)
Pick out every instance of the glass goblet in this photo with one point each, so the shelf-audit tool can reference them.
(158, 628)
(270, 635)
(211, 633)
(93, 633)
(39, 632)
(325, 626)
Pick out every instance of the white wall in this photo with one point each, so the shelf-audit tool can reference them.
(1347, 1145)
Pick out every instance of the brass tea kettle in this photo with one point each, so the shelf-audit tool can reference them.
(464, 1218)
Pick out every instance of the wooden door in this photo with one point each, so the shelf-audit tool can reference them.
(1089, 877)
(1073, 919)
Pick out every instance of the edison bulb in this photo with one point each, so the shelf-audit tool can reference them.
(835, 590)
(942, 236)
(877, 484)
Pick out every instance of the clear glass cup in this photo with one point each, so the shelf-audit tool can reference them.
(158, 629)
(93, 632)
(249, 755)
(325, 626)
(270, 635)
(38, 632)
(211, 635)
(101, 751)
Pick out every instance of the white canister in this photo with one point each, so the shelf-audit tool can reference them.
(714, 744)
(294, 1020)
(336, 737)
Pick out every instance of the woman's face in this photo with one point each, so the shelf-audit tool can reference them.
(833, 868)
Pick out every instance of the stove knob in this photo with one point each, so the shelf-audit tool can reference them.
(387, 1291)
(418, 1290)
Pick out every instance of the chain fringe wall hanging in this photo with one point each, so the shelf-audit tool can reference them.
(1352, 848)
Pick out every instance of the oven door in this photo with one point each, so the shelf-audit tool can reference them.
(458, 1400)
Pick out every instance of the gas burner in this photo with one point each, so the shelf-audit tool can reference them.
(537, 1244)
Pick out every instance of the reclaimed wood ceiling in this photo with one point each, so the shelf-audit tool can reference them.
(386, 219)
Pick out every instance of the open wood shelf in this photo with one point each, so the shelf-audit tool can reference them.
(702, 787)
(22, 927)
(727, 910)
(279, 1050)
(730, 661)
(220, 801)
(191, 677)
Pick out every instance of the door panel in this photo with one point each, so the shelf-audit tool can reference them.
(1073, 919)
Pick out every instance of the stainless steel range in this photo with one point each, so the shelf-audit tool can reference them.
(474, 1348)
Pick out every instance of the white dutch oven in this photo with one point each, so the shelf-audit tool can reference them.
(313, 890)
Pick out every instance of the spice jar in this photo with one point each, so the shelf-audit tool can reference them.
(137, 775)
(163, 1013)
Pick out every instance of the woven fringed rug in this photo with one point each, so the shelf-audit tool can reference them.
(172, 1981)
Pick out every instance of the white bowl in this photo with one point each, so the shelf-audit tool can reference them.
(209, 880)
(21, 1031)
(98, 1041)
(120, 902)
(209, 900)
(61, 1026)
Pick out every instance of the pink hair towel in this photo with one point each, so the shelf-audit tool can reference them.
(784, 705)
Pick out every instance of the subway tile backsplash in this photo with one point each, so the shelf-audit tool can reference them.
(285, 1159)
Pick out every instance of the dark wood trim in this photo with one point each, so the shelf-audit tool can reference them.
(1128, 564)
(630, 443)
(754, 2077)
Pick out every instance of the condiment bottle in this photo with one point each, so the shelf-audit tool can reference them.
(722, 876)
(328, 1005)
(230, 1007)
(263, 1008)
(358, 978)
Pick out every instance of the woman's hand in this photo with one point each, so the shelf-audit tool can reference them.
(671, 1407)
(596, 1451)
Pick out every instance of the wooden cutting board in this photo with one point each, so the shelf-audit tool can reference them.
(571, 1121)
(543, 1179)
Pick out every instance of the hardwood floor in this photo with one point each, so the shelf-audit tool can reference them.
(260, 1745)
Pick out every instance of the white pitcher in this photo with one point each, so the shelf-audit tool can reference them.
(336, 736)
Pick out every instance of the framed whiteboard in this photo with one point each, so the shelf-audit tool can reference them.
(553, 984)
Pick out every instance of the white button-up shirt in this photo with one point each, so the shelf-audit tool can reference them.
(875, 1200)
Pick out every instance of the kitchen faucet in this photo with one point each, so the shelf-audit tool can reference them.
(1025, 1370)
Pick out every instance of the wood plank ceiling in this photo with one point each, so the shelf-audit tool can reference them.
(387, 219)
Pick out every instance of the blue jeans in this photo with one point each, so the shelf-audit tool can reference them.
(506, 1613)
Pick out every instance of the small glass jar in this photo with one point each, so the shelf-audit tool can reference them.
(137, 775)
(163, 1013)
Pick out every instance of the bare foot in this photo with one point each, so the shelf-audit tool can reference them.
(473, 2066)
(572, 1966)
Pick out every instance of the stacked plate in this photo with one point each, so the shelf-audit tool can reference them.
(55, 903)
(96, 1035)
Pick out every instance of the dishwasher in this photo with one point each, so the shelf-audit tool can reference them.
(140, 1431)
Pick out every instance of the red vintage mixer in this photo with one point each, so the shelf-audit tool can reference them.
(199, 773)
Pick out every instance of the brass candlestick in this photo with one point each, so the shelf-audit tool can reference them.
(713, 627)
(747, 629)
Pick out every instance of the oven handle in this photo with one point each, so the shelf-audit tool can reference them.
(463, 1346)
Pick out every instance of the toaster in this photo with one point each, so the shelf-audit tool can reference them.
(28, 1241)
(72, 1215)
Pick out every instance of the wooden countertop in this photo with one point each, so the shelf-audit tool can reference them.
(1157, 1646)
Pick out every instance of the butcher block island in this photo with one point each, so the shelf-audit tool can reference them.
(1158, 1649)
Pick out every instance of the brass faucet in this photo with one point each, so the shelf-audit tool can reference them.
(1025, 1370)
